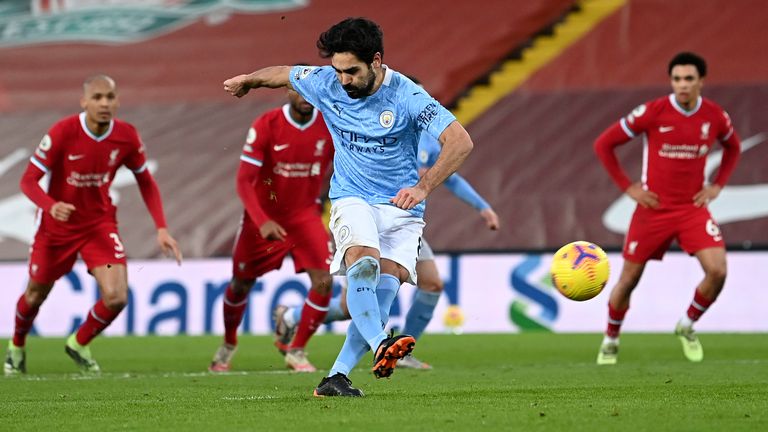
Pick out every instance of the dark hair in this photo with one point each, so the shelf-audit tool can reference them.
(689, 58)
(359, 36)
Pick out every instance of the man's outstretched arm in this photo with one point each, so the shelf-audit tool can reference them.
(269, 77)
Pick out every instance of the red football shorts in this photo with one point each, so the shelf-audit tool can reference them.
(651, 232)
(52, 256)
(307, 242)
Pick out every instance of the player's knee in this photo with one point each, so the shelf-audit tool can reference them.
(35, 298)
(322, 284)
(431, 285)
(365, 268)
(241, 286)
(717, 274)
(115, 301)
(628, 282)
(36, 293)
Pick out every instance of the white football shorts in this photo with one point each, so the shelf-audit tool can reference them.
(394, 232)
(425, 252)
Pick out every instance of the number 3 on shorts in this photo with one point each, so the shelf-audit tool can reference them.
(118, 244)
(713, 230)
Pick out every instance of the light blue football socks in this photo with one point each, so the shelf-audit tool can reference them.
(420, 313)
(352, 351)
(386, 291)
(355, 345)
(362, 302)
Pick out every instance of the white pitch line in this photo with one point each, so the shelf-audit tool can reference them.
(242, 398)
(131, 375)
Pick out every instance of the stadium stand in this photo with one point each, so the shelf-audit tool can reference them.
(171, 89)
(533, 157)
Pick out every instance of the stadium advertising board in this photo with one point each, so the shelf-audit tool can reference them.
(497, 293)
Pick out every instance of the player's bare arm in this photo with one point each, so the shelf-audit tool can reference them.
(707, 194)
(270, 77)
(61, 211)
(456, 146)
(168, 244)
(643, 197)
(272, 230)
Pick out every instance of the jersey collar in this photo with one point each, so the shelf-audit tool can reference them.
(305, 126)
(388, 74)
(679, 109)
(90, 134)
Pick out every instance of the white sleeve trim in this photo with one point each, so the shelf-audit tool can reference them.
(140, 169)
(38, 164)
(625, 128)
(251, 160)
(728, 135)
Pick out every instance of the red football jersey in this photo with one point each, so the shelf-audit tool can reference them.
(293, 159)
(82, 166)
(676, 143)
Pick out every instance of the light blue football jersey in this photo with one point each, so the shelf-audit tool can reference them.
(376, 138)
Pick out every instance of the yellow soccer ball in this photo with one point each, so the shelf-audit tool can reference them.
(580, 270)
(453, 319)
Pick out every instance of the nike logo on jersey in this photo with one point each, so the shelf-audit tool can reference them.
(665, 129)
(281, 147)
(75, 157)
(119, 255)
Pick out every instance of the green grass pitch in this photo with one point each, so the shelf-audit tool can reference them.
(531, 382)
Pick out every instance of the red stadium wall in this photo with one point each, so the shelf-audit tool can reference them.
(171, 90)
(446, 47)
(533, 158)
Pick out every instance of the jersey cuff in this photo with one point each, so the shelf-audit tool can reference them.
(251, 160)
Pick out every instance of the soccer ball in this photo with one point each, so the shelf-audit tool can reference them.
(453, 319)
(580, 270)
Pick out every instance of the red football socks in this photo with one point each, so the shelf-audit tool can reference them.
(312, 315)
(25, 317)
(234, 308)
(615, 319)
(99, 318)
(698, 306)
